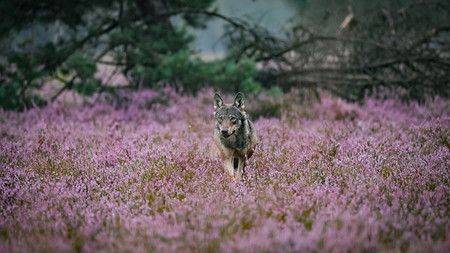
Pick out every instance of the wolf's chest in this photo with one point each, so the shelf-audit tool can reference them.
(239, 141)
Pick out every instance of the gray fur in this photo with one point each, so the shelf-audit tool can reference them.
(234, 134)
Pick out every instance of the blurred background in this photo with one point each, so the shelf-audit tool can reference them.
(350, 49)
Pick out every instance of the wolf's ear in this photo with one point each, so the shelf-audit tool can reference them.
(239, 101)
(218, 102)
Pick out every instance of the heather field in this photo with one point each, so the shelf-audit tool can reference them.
(144, 176)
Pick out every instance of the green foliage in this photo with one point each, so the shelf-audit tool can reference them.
(85, 88)
(18, 79)
(192, 74)
(83, 66)
(66, 41)
(250, 86)
(274, 91)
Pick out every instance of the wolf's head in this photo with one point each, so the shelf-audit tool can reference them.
(229, 117)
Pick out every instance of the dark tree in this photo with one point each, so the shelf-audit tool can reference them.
(352, 50)
(349, 50)
(66, 40)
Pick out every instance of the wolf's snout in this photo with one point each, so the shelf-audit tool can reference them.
(224, 131)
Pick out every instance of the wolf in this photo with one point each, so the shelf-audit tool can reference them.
(234, 135)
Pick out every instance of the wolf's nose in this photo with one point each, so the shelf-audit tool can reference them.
(224, 131)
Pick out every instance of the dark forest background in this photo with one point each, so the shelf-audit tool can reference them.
(350, 49)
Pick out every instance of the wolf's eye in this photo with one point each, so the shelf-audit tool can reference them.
(233, 120)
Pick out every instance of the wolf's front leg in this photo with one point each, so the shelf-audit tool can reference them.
(238, 165)
(228, 167)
